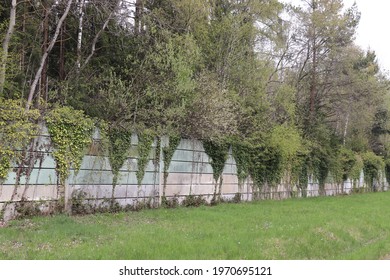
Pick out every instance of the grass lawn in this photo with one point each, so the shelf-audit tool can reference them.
(345, 227)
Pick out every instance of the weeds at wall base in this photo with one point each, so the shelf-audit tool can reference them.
(193, 201)
(237, 198)
(170, 203)
(81, 204)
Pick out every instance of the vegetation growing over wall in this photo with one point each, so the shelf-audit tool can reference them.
(168, 152)
(17, 129)
(218, 153)
(119, 145)
(287, 88)
(373, 166)
(71, 132)
(145, 142)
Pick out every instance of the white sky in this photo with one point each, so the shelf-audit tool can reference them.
(373, 27)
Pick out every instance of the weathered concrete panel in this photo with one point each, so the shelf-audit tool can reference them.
(6, 192)
(189, 179)
(190, 167)
(95, 163)
(207, 189)
(47, 161)
(173, 190)
(230, 178)
(134, 191)
(183, 155)
(46, 192)
(99, 177)
(190, 172)
(99, 191)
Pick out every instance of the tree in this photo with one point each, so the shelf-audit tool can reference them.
(325, 31)
(5, 45)
(38, 74)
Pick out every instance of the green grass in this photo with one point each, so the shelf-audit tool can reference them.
(345, 227)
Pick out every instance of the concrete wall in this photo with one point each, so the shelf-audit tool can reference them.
(190, 173)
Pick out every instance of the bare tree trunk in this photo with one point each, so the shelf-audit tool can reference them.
(45, 28)
(139, 6)
(44, 57)
(61, 69)
(346, 129)
(23, 51)
(313, 82)
(6, 41)
(80, 34)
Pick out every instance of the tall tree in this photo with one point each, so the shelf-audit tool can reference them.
(5, 45)
(325, 29)
(38, 73)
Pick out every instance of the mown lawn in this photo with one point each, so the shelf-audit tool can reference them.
(345, 227)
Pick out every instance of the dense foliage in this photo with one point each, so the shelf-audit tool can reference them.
(284, 86)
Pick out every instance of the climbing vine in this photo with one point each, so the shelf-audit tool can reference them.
(299, 171)
(343, 164)
(357, 168)
(218, 152)
(5, 163)
(119, 144)
(70, 132)
(387, 170)
(17, 129)
(241, 152)
(373, 165)
(263, 163)
(145, 141)
(168, 152)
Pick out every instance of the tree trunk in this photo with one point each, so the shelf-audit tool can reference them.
(346, 129)
(313, 82)
(80, 34)
(23, 51)
(139, 6)
(61, 69)
(6, 41)
(43, 84)
(44, 57)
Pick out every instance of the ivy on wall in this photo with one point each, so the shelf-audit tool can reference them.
(262, 163)
(241, 152)
(145, 142)
(218, 153)
(168, 152)
(119, 144)
(344, 164)
(373, 165)
(387, 170)
(17, 128)
(5, 163)
(70, 132)
(265, 165)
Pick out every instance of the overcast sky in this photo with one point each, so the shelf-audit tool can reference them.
(373, 31)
